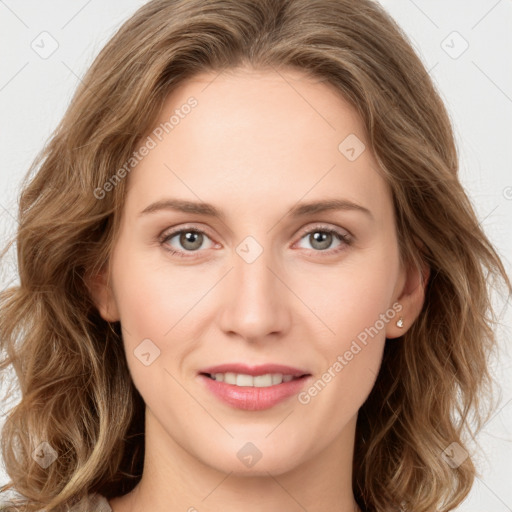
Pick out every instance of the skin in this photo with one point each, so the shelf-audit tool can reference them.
(257, 143)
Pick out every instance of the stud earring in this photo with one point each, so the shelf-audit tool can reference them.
(400, 322)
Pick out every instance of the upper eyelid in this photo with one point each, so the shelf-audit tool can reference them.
(171, 232)
(326, 225)
(176, 230)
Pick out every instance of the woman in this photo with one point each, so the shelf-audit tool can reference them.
(181, 348)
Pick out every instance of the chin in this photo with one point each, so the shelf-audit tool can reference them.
(253, 457)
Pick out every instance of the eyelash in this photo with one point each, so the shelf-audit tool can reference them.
(344, 238)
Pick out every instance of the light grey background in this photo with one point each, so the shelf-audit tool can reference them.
(475, 83)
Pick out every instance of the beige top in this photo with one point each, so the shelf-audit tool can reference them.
(92, 503)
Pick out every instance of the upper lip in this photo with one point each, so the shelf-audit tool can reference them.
(254, 370)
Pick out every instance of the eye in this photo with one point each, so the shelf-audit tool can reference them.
(190, 239)
(321, 238)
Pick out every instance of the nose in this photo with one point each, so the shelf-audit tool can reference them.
(256, 300)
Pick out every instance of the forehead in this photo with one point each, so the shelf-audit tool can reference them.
(253, 136)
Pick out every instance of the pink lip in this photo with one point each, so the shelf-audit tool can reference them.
(255, 370)
(254, 398)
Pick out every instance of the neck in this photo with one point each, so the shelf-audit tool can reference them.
(175, 480)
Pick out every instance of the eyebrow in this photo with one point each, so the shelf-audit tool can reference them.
(299, 210)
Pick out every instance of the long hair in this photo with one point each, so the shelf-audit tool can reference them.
(78, 402)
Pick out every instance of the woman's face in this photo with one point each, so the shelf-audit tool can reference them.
(263, 281)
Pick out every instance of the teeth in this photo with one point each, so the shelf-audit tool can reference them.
(259, 381)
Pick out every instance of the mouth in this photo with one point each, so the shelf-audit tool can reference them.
(253, 388)
(258, 381)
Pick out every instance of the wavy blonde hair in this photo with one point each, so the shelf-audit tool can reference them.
(76, 390)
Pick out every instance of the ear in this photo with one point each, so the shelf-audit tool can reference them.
(102, 295)
(410, 296)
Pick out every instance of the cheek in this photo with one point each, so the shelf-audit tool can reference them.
(153, 294)
(156, 308)
(354, 306)
(350, 349)
(164, 303)
(144, 304)
(350, 297)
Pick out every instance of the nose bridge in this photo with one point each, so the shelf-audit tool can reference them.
(255, 306)
(252, 270)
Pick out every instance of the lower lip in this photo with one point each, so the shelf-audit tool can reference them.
(253, 398)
